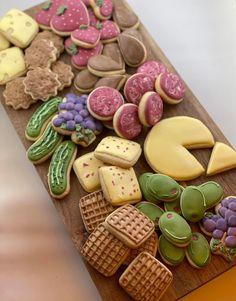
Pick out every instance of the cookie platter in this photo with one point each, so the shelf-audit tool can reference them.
(186, 278)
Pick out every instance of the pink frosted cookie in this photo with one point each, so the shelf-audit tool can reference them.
(86, 36)
(170, 87)
(86, 2)
(103, 102)
(80, 59)
(70, 46)
(150, 109)
(103, 9)
(69, 16)
(152, 68)
(126, 121)
(44, 15)
(109, 31)
(137, 85)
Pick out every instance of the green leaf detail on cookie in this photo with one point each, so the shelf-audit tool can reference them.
(99, 3)
(88, 133)
(83, 26)
(99, 25)
(78, 128)
(61, 10)
(47, 5)
(73, 48)
(63, 126)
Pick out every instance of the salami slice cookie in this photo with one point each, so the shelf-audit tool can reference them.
(152, 68)
(103, 102)
(126, 121)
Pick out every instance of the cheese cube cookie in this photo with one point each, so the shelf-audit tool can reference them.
(18, 28)
(118, 151)
(12, 64)
(86, 169)
(120, 186)
(4, 43)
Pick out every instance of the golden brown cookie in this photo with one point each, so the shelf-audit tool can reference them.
(51, 37)
(15, 95)
(41, 53)
(41, 83)
(116, 81)
(112, 50)
(124, 16)
(134, 33)
(84, 81)
(64, 72)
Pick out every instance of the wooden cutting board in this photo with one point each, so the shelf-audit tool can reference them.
(186, 278)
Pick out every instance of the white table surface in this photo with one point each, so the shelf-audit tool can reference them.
(198, 37)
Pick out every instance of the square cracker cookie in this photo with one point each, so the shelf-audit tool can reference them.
(86, 169)
(12, 64)
(120, 186)
(104, 252)
(146, 278)
(118, 151)
(129, 225)
(18, 27)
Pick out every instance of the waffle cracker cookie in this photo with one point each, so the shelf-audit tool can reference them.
(104, 252)
(94, 209)
(129, 225)
(146, 279)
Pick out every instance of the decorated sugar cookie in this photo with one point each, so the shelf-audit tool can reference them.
(86, 36)
(44, 15)
(152, 68)
(102, 8)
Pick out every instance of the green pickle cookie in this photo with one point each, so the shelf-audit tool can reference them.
(213, 193)
(44, 147)
(198, 251)
(151, 210)
(175, 229)
(60, 168)
(41, 117)
(170, 253)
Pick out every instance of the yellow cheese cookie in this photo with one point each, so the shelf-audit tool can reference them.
(166, 147)
(223, 157)
(86, 168)
(12, 64)
(118, 151)
(18, 28)
(4, 43)
(120, 186)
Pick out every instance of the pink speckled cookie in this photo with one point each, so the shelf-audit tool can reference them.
(137, 85)
(102, 8)
(150, 109)
(109, 31)
(44, 15)
(103, 102)
(152, 68)
(69, 16)
(170, 87)
(86, 36)
(126, 121)
(70, 47)
(80, 59)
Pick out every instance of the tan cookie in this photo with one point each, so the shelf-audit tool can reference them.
(41, 83)
(134, 51)
(129, 225)
(50, 36)
(64, 72)
(116, 81)
(104, 252)
(84, 81)
(94, 209)
(15, 95)
(112, 50)
(134, 33)
(41, 53)
(124, 16)
(146, 278)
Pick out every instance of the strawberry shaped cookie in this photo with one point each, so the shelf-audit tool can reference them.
(69, 16)
(70, 47)
(86, 36)
(80, 59)
(109, 31)
(102, 8)
(44, 15)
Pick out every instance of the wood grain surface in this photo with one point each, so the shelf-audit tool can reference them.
(186, 278)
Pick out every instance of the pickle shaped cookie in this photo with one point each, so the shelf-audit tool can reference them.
(60, 168)
(44, 147)
(41, 118)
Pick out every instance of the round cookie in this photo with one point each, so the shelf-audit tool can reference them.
(103, 102)
(151, 210)
(150, 109)
(126, 122)
(213, 193)
(192, 204)
(170, 87)
(86, 36)
(198, 252)
(152, 68)
(170, 253)
(136, 86)
(175, 229)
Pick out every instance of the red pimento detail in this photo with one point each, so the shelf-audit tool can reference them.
(152, 68)
(172, 85)
(194, 237)
(177, 209)
(153, 109)
(169, 215)
(173, 191)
